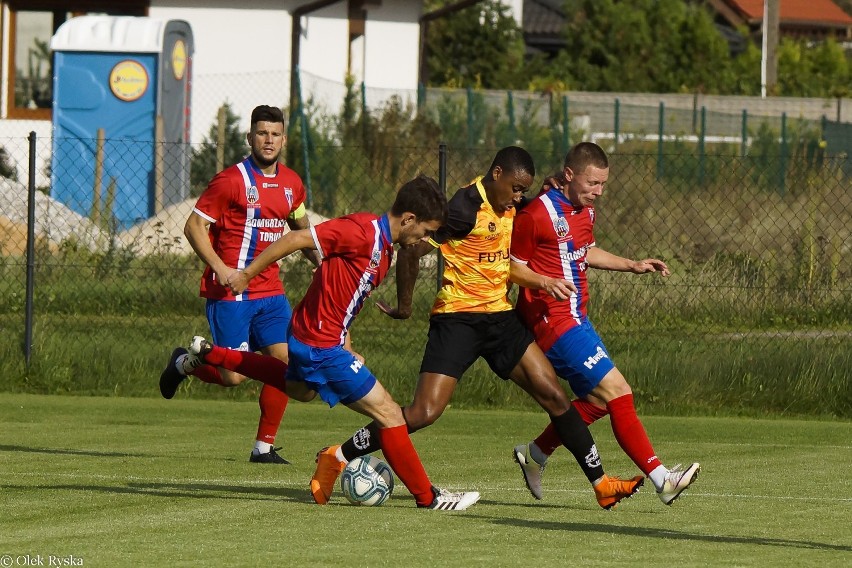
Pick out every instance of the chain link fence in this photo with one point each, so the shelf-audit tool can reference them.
(97, 283)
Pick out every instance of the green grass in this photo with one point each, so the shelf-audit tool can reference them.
(146, 482)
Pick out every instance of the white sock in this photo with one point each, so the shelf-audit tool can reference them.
(536, 454)
(261, 448)
(339, 455)
(658, 477)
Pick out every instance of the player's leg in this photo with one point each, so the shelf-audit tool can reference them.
(535, 374)
(269, 331)
(453, 345)
(340, 377)
(268, 370)
(633, 439)
(401, 455)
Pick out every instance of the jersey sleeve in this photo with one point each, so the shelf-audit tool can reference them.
(523, 237)
(337, 237)
(461, 219)
(213, 203)
(299, 196)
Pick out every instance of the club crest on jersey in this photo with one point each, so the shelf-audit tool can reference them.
(492, 227)
(560, 225)
(252, 196)
(591, 215)
(375, 259)
(288, 193)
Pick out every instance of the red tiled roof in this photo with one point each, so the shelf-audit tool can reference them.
(800, 11)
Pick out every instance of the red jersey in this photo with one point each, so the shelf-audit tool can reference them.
(248, 210)
(356, 252)
(552, 237)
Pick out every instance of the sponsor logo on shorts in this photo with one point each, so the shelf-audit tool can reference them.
(593, 360)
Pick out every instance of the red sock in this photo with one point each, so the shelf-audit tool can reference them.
(590, 412)
(403, 459)
(631, 434)
(209, 374)
(272, 404)
(548, 440)
(263, 368)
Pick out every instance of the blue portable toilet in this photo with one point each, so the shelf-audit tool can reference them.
(121, 116)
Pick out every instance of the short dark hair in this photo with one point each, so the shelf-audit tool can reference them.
(513, 159)
(423, 197)
(266, 113)
(585, 154)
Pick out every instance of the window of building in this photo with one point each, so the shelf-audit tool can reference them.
(31, 25)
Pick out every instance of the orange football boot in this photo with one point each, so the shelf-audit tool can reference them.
(611, 490)
(327, 471)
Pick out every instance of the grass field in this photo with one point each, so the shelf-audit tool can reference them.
(146, 482)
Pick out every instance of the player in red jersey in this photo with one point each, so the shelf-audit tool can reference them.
(244, 209)
(553, 236)
(356, 252)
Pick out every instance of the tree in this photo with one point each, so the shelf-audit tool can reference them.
(654, 46)
(478, 46)
(203, 164)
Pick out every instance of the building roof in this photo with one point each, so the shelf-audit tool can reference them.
(811, 12)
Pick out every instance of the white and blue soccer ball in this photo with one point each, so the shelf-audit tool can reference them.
(367, 481)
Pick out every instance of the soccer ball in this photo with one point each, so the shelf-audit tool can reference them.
(366, 481)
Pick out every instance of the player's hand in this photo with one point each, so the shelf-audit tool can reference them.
(650, 265)
(551, 183)
(395, 313)
(237, 282)
(559, 288)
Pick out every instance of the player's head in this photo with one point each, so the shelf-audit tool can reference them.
(266, 136)
(509, 177)
(421, 208)
(586, 171)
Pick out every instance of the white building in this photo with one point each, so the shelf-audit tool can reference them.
(244, 53)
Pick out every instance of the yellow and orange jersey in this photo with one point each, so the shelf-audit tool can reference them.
(475, 245)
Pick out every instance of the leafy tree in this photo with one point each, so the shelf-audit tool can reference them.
(479, 46)
(654, 46)
(203, 164)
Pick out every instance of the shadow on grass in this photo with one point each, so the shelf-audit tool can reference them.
(26, 449)
(187, 490)
(660, 533)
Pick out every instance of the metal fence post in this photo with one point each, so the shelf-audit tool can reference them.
(615, 125)
(744, 134)
(660, 141)
(28, 306)
(782, 158)
(566, 125)
(469, 117)
(510, 110)
(442, 183)
(701, 152)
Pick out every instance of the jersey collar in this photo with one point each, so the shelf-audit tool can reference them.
(384, 229)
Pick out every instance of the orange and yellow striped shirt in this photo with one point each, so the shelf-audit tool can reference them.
(475, 245)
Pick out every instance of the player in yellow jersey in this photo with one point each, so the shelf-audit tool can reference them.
(471, 318)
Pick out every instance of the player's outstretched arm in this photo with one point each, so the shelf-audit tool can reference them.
(599, 258)
(407, 269)
(523, 275)
(286, 245)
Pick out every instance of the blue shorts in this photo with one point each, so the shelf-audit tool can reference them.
(250, 325)
(333, 372)
(580, 357)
